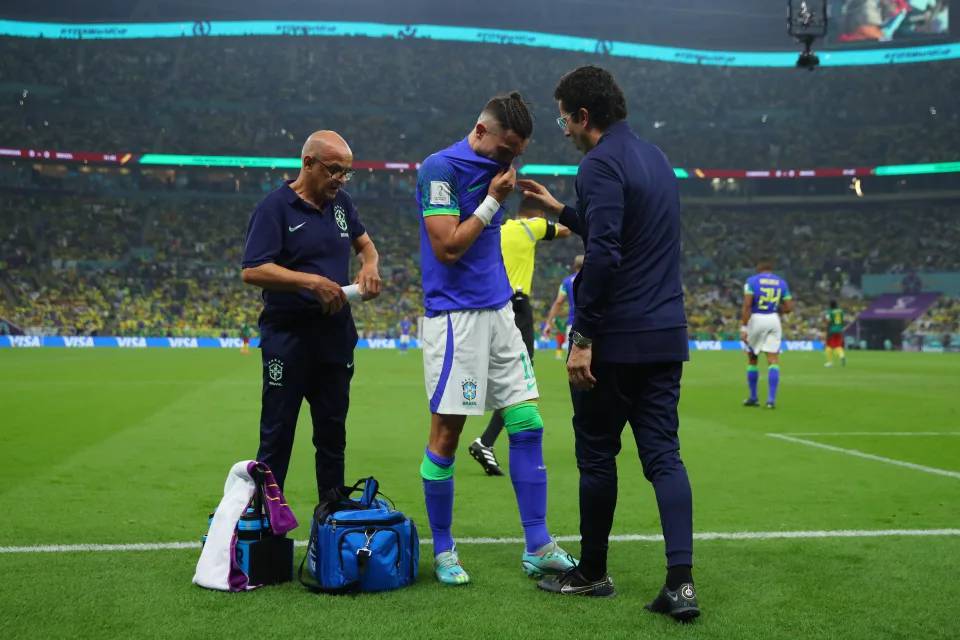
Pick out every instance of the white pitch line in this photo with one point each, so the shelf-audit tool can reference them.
(868, 456)
(629, 537)
(873, 433)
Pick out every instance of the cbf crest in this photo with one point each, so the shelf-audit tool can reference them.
(470, 392)
(275, 372)
(340, 216)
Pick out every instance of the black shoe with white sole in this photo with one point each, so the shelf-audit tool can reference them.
(572, 583)
(484, 455)
(681, 605)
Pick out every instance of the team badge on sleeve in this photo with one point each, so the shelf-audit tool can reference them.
(439, 192)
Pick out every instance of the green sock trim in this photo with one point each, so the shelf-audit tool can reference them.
(774, 366)
(752, 367)
(522, 417)
(430, 470)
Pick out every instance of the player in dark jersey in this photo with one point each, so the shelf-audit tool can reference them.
(835, 324)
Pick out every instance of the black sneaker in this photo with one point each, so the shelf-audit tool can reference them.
(681, 605)
(751, 402)
(484, 455)
(572, 583)
(771, 405)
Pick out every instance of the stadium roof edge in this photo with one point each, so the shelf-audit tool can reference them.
(617, 48)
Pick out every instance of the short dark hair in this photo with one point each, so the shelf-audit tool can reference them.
(529, 204)
(833, 304)
(511, 112)
(765, 263)
(595, 90)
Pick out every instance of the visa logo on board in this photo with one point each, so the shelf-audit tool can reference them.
(708, 345)
(84, 342)
(183, 343)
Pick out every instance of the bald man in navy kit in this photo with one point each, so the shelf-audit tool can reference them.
(298, 248)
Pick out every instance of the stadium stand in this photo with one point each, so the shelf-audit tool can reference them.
(257, 98)
(156, 251)
(166, 263)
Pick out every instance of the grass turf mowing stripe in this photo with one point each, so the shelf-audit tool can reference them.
(868, 456)
(629, 537)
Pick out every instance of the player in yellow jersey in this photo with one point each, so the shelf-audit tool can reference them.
(518, 243)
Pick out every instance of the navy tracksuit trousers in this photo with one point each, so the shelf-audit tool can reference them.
(646, 396)
(291, 373)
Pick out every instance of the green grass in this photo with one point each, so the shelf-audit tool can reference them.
(133, 446)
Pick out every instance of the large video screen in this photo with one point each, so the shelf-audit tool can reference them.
(854, 21)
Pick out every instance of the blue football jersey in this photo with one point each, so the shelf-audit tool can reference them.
(454, 182)
(768, 290)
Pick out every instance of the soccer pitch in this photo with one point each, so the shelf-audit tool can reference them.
(132, 446)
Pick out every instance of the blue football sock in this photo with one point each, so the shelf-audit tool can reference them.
(773, 379)
(753, 376)
(529, 477)
(437, 473)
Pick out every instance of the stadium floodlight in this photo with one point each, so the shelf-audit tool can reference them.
(807, 21)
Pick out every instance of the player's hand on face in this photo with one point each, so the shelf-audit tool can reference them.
(329, 293)
(369, 280)
(578, 368)
(503, 184)
(539, 193)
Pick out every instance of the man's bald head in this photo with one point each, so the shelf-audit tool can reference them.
(326, 165)
(328, 146)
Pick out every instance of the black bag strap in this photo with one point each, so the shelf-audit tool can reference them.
(258, 502)
(312, 585)
(363, 556)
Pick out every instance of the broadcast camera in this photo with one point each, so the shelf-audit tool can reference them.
(807, 21)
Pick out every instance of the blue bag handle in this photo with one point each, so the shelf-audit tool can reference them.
(370, 490)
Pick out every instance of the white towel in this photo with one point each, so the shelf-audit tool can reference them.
(217, 568)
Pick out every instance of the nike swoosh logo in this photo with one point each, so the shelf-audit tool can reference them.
(476, 186)
(531, 385)
(350, 366)
(292, 229)
(570, 589)
(673, 596)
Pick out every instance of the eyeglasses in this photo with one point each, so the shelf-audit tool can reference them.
(336, 171)
(562, 121)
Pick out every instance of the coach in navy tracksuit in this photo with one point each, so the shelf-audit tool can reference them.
(629, 336)
(298, 248)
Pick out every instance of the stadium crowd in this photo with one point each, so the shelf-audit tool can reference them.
(156, 251)
(262, 96)
(938, 327)
(155, 263)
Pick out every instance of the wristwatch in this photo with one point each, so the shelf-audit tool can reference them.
(580, 340)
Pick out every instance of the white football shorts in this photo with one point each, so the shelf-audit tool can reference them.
(764, 333)
(475, 361)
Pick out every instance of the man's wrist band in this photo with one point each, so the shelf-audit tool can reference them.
(487, 209)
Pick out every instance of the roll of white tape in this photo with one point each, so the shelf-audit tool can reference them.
(352, 291)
